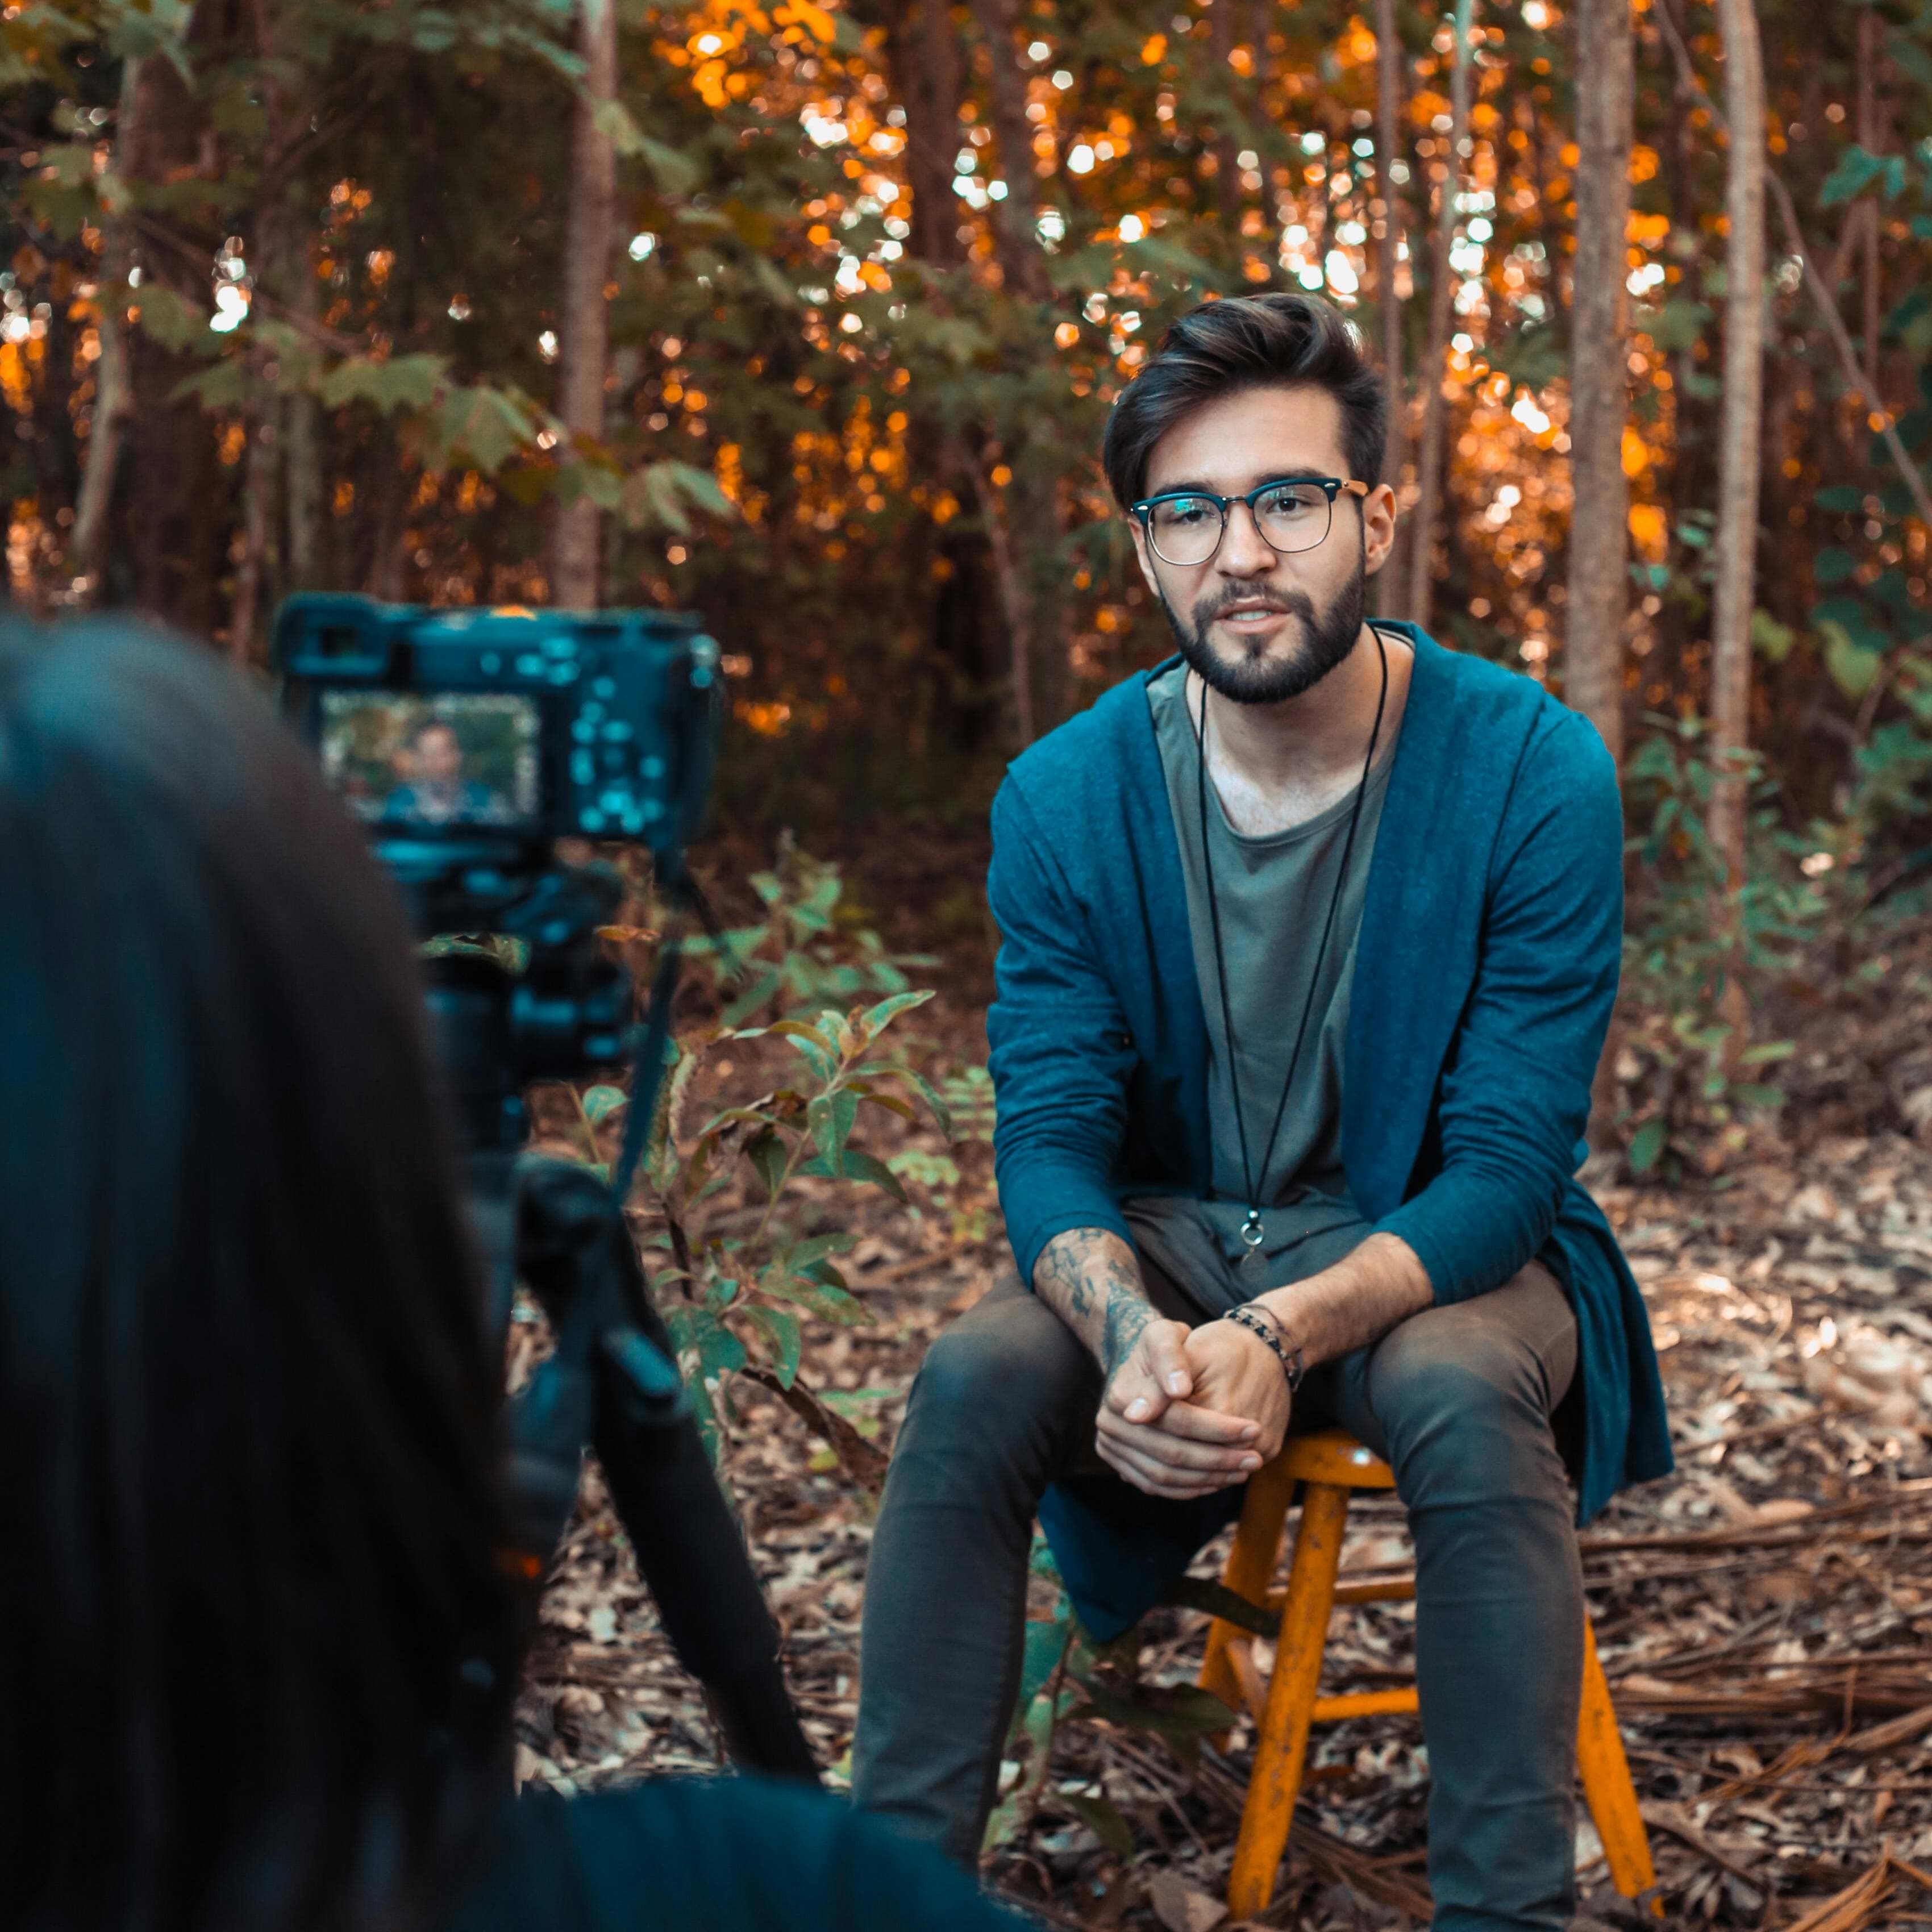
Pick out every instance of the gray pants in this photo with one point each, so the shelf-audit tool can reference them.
(1458, 1399)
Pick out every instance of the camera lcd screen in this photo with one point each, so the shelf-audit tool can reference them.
(430, 762)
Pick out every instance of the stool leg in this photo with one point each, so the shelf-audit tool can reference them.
(1283, 1746)
(1250, 1565)
(1606, 1782)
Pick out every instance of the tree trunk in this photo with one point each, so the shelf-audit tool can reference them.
(927, 66)
(1739, 455)
(1435, 414)
(168, 523)
(1227, 170)
(278, 242)
(1252, 33)
(302, 457)
(1024, 533)
(1872, 140)
(1016, 604)
(1593, 654)
(584, 329)
(1016, 245)
(1388, 143)
(113, 393)
(258, 490)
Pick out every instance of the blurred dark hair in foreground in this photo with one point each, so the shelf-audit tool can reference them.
(257, 1654)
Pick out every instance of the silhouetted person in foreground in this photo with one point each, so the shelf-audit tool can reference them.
(258, 1650)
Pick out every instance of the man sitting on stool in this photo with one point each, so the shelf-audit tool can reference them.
(1310, 942)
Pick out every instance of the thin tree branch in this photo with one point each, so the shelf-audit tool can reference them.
(1826, 302)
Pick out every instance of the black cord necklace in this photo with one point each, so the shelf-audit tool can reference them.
(1254, 1264)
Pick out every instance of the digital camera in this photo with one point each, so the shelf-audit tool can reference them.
(504, 725)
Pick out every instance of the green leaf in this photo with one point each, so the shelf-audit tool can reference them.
(878, 1018)
(173, 322)
(859, 1166)
(1854, 617)
(1100, 1816)
(830, 1117)
(676, 173)
(502, 949)
(1840, 499)
(759, 993)
(1772, 639)
(1647, 1145)
(801, 1254)
(817, 1052)
(1855, 172)
(224, 386)
(1035, 1722)
(489, 426)
(601, 1103)
(696, 1331)
(1833, 565)
(661, 1148)
(927, 1169)
(778, 1329)
(1181, 1711)
(1768, 1053)
(1854, 667)
(1910, 55)
(767, 1154)
(660, 496)
(1046, 1643)
(816, 1297)
(432, 31)
(733, 1117)
(398, 382)
(702, 488)
(134, 32)
(941, 1112)
(1678, 325)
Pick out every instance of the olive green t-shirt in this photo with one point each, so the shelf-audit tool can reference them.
(1273, 895)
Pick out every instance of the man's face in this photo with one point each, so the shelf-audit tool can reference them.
(439, 757)
(1258, 626)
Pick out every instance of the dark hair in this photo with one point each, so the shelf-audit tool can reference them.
(1245, 342)
(257, 1654)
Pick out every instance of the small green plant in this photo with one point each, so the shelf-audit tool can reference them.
(811, 950)
(1066, 1678)
(1687, 972)
(736, 1280)
(736, 1288)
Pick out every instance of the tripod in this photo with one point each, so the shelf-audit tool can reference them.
(612, 1380)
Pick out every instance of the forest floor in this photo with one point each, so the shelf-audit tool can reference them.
(1764, 1615)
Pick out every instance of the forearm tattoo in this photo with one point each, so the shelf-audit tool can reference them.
(1089, 1278)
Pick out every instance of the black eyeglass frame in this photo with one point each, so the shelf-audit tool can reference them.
(1331, 487)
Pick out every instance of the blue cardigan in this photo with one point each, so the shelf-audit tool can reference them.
(1485, 973)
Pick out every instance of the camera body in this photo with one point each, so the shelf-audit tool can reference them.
(468, 742)
(503, 727)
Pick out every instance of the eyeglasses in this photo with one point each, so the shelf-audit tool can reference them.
(1186, 526)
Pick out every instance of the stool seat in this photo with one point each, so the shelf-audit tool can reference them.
(1329, 1466)
(1334, 1456)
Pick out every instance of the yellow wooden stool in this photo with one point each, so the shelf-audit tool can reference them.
(1331, 1464)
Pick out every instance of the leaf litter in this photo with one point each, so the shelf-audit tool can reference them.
(1763, 1616)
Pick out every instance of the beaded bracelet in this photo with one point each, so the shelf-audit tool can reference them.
(1286, 1351)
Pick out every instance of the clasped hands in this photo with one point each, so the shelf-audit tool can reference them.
(1193, 1410)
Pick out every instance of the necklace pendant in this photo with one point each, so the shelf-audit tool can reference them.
(1253, 1266)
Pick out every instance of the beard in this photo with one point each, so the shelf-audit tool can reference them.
(1327, 636)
